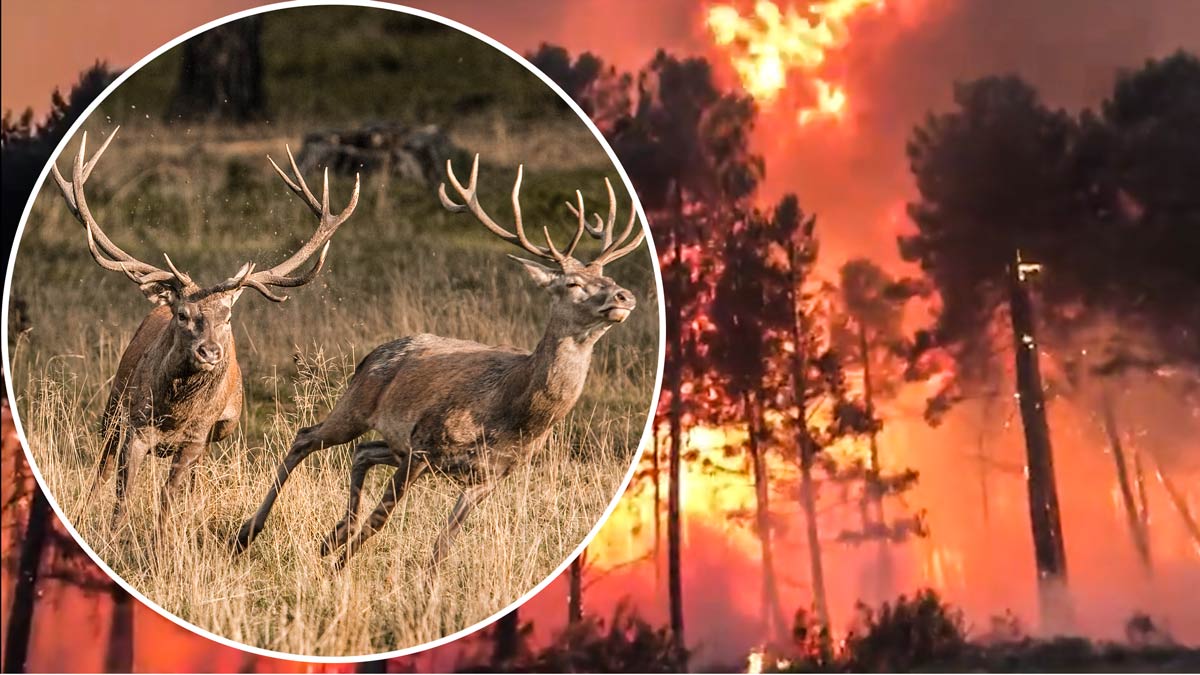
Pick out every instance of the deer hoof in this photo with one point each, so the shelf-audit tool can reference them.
(240, 542)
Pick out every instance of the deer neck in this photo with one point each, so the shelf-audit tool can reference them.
(552, 377)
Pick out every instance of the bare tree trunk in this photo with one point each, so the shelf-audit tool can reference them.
(1143, 500)
(221, 75)
(1181, 506)
(1140, 541)
(118, 657)
(508, 637)
(575, 590)
(657, 515)
(874, 484)
(674, 570)
(806, 450)
(20, 616)
(984, 466)
(1049, 550)
(376, 666)
(771, 610)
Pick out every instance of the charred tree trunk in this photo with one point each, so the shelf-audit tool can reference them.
(1045, 521)
(771, 608)
(575, 590)
(874, 483)
(657, 516)
(1143, 500)
(674, 570)
(868, 398)
(376, 666)
(508, 638)
(20, 617)
(1140, 540)
(984, 466)
(806, 449)
(118, 656)
(1181, 506)
(221, 75)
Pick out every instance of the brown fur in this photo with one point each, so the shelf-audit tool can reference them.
(178, 386)
(468, 411)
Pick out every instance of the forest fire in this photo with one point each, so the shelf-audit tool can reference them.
(772, 47)
(1128, 491)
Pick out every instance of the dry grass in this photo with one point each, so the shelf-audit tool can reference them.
(399, 266)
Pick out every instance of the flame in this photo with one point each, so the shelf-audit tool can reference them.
(768, 45)
(754, 662)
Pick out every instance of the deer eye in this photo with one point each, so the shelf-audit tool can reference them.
(182, 315)
(574, 284)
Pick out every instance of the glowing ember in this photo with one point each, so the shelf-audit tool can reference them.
(754, 662)
(767, 46)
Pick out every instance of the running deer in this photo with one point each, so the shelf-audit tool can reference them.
(178, 386)
(467, 410)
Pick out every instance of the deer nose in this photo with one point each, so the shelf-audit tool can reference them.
(624, 297)
(208, 353)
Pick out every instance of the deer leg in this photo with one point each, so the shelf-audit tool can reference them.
(308, 441)
(366, 456)
(129, 459)
(185, 459)
(104, 469)
(470, 497)
(407, 472)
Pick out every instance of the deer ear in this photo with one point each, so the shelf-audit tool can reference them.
(160, 292)
(541, 275)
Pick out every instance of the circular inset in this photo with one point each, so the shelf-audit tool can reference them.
(315, 441)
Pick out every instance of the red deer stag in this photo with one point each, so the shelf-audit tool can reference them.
(461, 408)
(178, 386)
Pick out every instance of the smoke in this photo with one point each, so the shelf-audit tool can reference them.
(900, 64)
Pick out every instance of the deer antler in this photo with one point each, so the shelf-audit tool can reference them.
(603, 229)
(107, 254)
(470, 198)
(280, 275)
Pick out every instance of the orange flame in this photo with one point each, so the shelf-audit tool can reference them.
(769, 45)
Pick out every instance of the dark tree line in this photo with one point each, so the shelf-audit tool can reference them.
(26, 143)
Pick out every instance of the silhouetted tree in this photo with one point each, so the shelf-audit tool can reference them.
(602, 92)
(33, 544)
(507, 636)
(686, 147)
(750, 317)
(869, 334)
(25, 144)
(998, 192)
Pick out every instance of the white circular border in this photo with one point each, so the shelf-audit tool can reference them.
(373, 4)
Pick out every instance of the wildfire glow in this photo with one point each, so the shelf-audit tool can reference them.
(769, 45)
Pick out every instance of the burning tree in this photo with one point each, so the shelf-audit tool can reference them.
(1077, 223)
(750, 317)
(686, 146)
(996, 191)
(867, 330)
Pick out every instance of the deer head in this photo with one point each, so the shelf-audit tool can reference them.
(582, 298)
(200, 332)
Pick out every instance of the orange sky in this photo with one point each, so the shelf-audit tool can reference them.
(48, 42)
